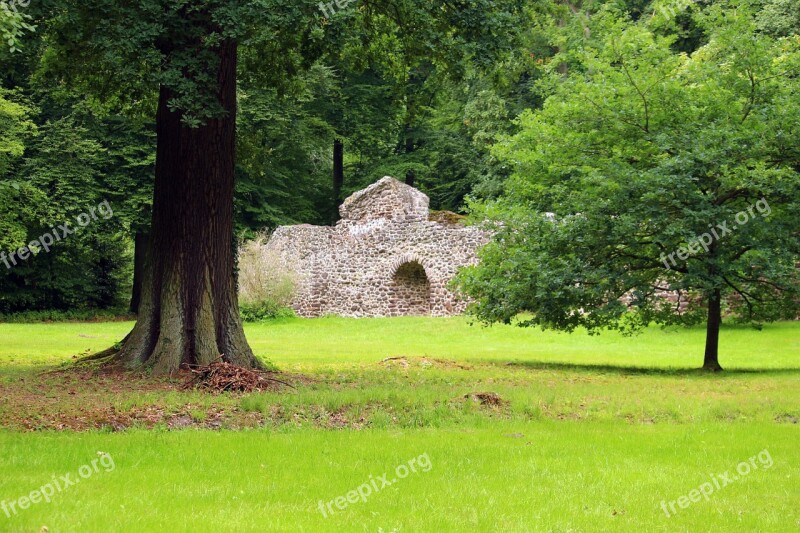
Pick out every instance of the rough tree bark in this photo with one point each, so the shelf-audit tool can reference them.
(189, 310)
(711, 359)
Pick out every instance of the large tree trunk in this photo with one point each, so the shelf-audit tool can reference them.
(338, 178)
(140, 244)
(189, 310)
(711, 360)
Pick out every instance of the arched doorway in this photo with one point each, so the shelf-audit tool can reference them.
(410, 291)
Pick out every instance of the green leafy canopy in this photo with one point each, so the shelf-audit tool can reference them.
(637, 151)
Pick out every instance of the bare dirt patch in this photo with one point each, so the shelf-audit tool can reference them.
(405, 362)
(488, 399)
(81, 398)
(786, 418)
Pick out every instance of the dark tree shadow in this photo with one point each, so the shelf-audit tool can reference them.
(635, 370)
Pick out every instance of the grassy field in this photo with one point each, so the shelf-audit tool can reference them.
(290, 342)
(520, 430)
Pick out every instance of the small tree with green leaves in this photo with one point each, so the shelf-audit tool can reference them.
(641, 156)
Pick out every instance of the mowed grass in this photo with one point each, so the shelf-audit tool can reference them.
(501, 477)
(338, 340)
(591, 433)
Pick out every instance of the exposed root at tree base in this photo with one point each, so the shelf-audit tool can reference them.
(217, 377)
(100, 357)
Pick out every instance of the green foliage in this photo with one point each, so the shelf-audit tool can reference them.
(127, 51)
(70, 315)
(283, 153)
(15, 127)
(62, 153)
(16, 131)
(780, 17)
(13, 24)
(265, 310)
(90, 272)
(409, 73)
(72, 164)
(638, 152)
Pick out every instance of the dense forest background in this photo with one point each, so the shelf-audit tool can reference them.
(346, 98)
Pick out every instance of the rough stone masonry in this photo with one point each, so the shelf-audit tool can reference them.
(385, 257)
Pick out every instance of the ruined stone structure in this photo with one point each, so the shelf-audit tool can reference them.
(383, 258)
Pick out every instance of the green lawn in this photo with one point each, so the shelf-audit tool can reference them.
(590, 433)
(338, 340)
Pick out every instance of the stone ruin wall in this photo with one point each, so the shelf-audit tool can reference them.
(375, 269)
(384, 258)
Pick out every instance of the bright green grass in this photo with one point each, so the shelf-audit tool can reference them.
(502, 477)
(338, 340)
(596, 433)
(331, 340)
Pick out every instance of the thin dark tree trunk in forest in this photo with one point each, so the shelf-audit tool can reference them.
(711, 359)
(189, 311)
(338, 178)
(411, 177)
(140, 243)
(408, 131)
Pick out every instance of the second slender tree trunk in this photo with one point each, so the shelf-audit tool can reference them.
(338, 178)
(189, 310)
(711, 359)
(140, 244)
(411, 177)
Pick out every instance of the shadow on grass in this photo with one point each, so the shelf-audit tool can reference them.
(645, 371)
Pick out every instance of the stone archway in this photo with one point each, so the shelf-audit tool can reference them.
(410, 290)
